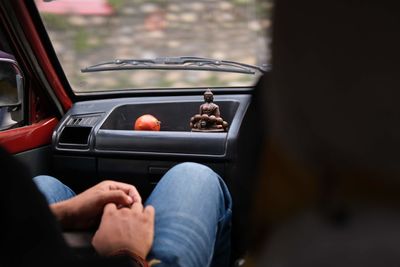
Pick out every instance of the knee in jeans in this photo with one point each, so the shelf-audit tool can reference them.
(45, 181)
(196, 173)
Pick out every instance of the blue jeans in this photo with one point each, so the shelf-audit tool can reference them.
(193, 215)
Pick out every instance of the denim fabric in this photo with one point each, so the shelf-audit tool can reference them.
(193, 212)
(53, 190)
(193, 216)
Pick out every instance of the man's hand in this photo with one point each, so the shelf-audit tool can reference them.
(127, 228)
(84, 210)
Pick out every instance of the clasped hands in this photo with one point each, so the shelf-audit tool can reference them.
(124, 223)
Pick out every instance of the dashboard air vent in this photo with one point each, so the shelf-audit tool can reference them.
(89, 120)
(76, 133)
(75, 136)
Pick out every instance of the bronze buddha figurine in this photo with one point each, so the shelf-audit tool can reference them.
(209, 117)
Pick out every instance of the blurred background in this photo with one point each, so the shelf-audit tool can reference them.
(87, 32)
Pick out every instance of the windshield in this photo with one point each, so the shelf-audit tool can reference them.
(86, 33)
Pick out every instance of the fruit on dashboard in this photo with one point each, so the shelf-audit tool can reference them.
(147, 122)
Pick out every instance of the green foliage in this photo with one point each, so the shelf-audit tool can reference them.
(81, 43)
(165, 83)
(123, 82)
(116, 4)
(241, 2)
(264, 9)
(55, 22)
(213, 80)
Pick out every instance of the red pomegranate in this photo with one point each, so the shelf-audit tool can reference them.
(147, 122)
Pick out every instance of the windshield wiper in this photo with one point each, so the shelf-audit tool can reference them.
(176, 63)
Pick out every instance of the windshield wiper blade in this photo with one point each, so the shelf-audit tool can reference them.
(176, 63)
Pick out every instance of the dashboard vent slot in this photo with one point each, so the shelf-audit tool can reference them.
(75, 136)
(76, 132)
(83, 121)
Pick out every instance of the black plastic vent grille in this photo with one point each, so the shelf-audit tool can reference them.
(83, 121)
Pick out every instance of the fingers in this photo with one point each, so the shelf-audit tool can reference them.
(118, 197)
(110, 207)
(134, 194)
(148, 211)
(128, 189)
(137, 207)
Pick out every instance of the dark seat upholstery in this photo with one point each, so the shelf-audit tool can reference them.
(330, 191)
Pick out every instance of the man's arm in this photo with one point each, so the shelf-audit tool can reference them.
(126, 228)
(85, 209)
(30, 233)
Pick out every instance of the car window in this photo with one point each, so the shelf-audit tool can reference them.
(85, 33)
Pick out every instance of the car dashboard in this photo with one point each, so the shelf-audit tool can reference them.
(96, 140)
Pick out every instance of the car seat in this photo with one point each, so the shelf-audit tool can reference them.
(330, 189)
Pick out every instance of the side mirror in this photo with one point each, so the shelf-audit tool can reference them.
(11, 93)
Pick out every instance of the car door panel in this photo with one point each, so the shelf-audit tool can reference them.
(38, 160)
(28, 137)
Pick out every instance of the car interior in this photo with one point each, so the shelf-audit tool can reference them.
(83, 139)
(310, 155)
